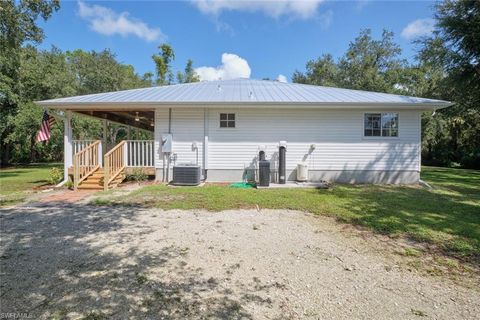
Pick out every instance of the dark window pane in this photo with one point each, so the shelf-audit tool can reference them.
(227, 120)
(381, 124)
(372, 123)
(390, 124)
(376, 121)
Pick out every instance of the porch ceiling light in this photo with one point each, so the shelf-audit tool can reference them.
(136, 117)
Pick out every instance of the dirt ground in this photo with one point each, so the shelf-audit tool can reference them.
(73, 261)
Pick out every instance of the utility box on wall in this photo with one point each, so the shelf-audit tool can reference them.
(167, 143)
(264, 173)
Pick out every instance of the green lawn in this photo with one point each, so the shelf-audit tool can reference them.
(17, 182)
(447, 216)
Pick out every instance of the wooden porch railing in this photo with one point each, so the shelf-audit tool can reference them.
(114, 163)
(80, 144)
(85, 162)
(139, 153)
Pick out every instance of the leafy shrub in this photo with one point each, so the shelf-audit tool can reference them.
(471, 161)
(56, 175)
(69, 184)
(138, 174)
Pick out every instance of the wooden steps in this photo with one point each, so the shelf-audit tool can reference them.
(119, 179)
(95, 181)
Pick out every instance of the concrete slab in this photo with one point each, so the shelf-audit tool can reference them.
(296, 184)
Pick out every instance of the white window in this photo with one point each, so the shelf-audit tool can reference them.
(381, 125)
(227, 120)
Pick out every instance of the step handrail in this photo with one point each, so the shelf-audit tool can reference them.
(114, 163)
(85, 162)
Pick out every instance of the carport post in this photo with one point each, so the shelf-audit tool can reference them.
(104, 138)
(67, 144)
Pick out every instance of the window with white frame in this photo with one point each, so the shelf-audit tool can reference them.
(227, 120)
(381, 124)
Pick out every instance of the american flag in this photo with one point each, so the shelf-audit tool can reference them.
(47, 123)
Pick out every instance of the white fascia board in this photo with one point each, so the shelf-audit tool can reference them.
(152, 105)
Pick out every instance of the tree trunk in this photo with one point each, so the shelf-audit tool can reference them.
(32, 149)
(4, 154)
(5, 148)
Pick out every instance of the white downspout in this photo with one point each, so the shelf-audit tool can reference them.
(205, 142)
(168, 155)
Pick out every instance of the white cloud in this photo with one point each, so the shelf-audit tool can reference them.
(232, 67)
(362, 4)
(418, 28)
(108, 22)
(282, 78)
(326, 19)
(302, 9)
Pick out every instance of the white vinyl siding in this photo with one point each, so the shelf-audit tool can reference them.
(186, 128)
(337, 134)
(161, 127)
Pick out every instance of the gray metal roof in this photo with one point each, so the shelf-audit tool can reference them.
(243, 91)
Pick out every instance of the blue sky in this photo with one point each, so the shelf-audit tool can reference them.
(263, 38)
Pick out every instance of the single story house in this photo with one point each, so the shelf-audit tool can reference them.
(343, 135)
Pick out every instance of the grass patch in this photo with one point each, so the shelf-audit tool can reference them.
(411, 252)
(94, 316)
(59, 314)
(17, 182)
(447, 216)
(419, 313)
(141, 278)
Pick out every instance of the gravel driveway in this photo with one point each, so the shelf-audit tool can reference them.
(76, 260)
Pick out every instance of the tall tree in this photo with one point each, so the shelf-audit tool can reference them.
(51, 74)
(162, 64)
(101, 72)
(18, 25)
(321, 72)
(370, 64)
(458, 28)
(42, 75)
(455, 49)
(189, 75)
